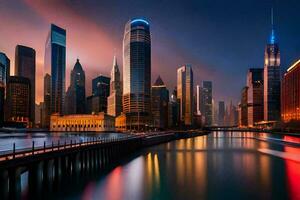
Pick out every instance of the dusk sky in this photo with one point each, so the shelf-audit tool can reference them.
(221, 39)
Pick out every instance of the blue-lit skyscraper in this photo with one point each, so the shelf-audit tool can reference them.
(272, 79)
(55, 66)
(137, 72)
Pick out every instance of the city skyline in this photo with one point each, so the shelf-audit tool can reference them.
(97, 58)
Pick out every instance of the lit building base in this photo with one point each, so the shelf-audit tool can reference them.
(130, 122)
(82, 122)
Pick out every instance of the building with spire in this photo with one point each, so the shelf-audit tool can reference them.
(114, 101)
(272, 78)
(159, 104)
(75, 97)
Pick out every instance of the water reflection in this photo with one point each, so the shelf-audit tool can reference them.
(218, 166)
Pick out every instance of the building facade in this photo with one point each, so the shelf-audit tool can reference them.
(115, 97)
(207, 109)
(174, 112)
(75, 97)
(255, 84)
(25, 66)
(2, 101)
(82, 122)
(159, 104)
(272, 80)
(100, 93)
(55, 67)
(290, 94)
(137, 72)
(18, 101)
(47, 102)
(185, 94)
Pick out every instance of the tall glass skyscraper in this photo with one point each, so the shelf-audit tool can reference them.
(272, 79)
(55, 66)
(25, 67)
(185, 94)
(137, 71)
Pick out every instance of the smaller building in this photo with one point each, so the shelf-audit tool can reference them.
(82, 122)
(129, 121)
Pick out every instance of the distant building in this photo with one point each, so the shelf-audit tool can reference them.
(47, 102)
(290, 94)
(207, 109)
(18, 101)
(244, 107)
(160, 104)
(115, 97)
(174, 112)
(255, 96)
(75, 97)
(233, 115)
(185, 94)
(221, 116)
(198, 100)
(25, 66)
(100, 92)
(39, 114)
(55, 67)
(137, 73)
(82, 122)
(272, 79)
(4, 68)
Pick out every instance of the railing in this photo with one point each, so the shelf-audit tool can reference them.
(19, 153)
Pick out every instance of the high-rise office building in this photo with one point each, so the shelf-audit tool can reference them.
(272, 79)
(100, 93)
(185, 94)
(25, 67)
(174, 112)
(221, 114)
(160, 104)
(290, 94)
(18, 100)
(55, 66)
(137, 73)
(75, 97)
(4, 68)
(207, 109)
(115, 97)
(255, 84)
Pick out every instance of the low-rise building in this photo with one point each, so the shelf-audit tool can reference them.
(82, 122)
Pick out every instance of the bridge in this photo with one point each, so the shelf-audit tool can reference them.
(48, 168)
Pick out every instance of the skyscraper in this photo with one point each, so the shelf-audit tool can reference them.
(272, 79)
(137, 72)
(18, 100)
(207, 102)
(2, 98)
(55, 66)
(75, 97)
(255, 84)
(25, 67)
(174, 111)
(185, 94)
(159, 102)
(114, 100)
(221, 116)
(100, 93)
(4, 68)
(244, 107)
